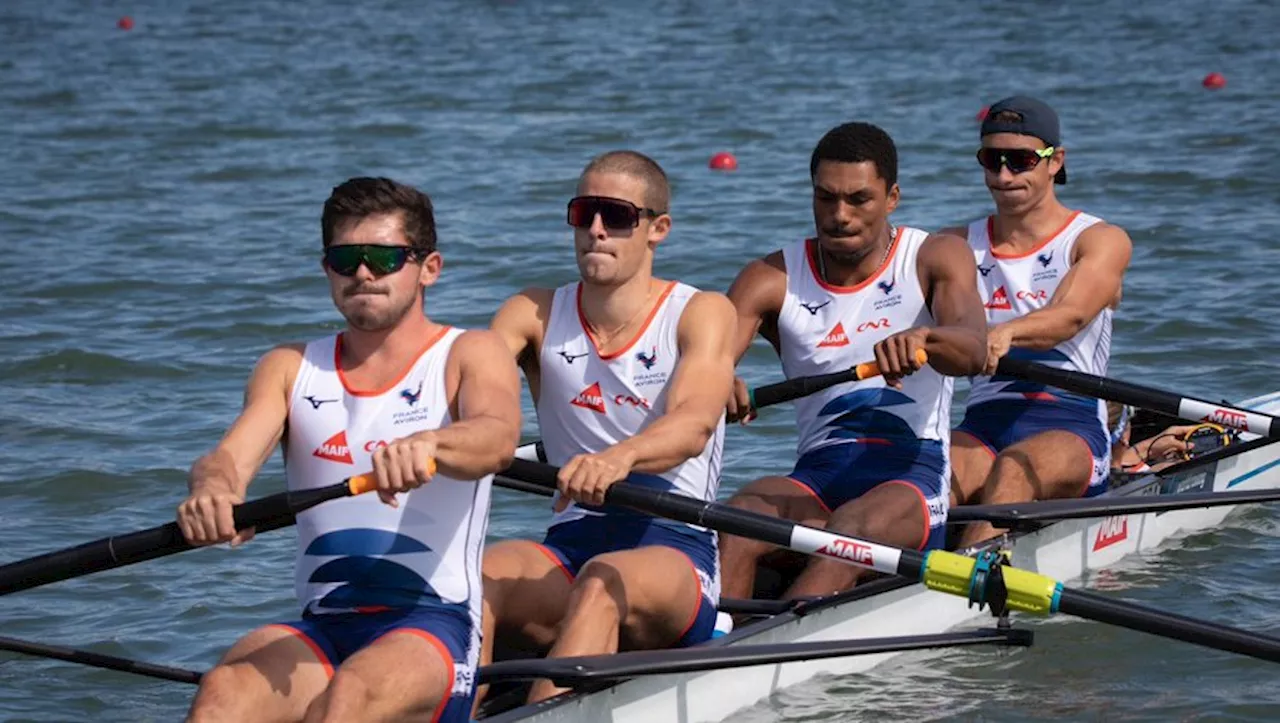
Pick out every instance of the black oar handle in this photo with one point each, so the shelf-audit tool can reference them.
(800, 387)
(167, 539)
(1157, 400)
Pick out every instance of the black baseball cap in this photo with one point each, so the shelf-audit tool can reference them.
(1035, 118)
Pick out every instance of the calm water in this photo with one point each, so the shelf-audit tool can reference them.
(162, 191)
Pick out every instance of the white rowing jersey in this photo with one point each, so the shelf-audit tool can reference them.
(824, 329)
(588, 402)
(357, 553)
(1016, 285)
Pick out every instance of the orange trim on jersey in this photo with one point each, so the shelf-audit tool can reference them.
(810, 253)
(991, 238)
(582, 319)
(315, 648)
(554, 558)
(448, 663)
(812, 494)
(342, 377)
(924, 508)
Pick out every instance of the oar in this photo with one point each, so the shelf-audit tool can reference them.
(271, 512)
(798, 387)
(100, 660)
(1009, 515)
(1002, 587)
(1157, 400)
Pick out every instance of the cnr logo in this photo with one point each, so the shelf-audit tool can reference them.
(1032, 295)
(374, 444)
(881, 323)
(621, 399)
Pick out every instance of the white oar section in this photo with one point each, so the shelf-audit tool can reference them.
(862, 553)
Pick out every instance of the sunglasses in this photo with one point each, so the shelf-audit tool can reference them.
(613, 212)
(380, 260)
(1017, 160)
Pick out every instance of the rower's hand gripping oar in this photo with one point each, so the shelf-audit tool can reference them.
(984, 580)
(1157, 400)
(272, 511)
(799, 387)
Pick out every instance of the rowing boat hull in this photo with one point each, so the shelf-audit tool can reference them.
(1064, 551)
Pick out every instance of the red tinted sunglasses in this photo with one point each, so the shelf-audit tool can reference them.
(613, 212)
(1017, 160)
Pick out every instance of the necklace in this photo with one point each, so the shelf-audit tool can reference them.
(602, 341)
(822, 264)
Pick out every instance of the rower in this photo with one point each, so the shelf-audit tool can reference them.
(629, 374)
(1050, 278)
(1169, 445)
(389, 585)
(872, 455)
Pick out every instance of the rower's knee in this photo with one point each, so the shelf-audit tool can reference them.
(220, 698)
(347, 693)
(598, 591)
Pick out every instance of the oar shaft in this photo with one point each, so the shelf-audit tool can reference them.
(1157, 400)
(100, 660)
(1127, 615)
(799, 387)
(119, 550)
(1104, 506)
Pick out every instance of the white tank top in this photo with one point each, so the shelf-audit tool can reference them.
(1014, 286)
(588, 402)
(357, 553)
(824, 328)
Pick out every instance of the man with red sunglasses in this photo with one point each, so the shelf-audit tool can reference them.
(388, 584)
(629, 374)
(873, 454)
(1050, 279)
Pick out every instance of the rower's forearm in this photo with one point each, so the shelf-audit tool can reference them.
(667, 443)
(473, 448)
(1046, 328)
(956, 351)
(217, 472)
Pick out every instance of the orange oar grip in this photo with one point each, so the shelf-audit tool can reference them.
(866, 370)
(368, 482)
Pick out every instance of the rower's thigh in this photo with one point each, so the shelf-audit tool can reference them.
(893, 513)
(1049, 465)
(271, 674)
(657, 590)
(971, 461)
(781, 497)
(526, 589)
(406, 675)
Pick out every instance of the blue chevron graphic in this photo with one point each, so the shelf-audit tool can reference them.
(363, 541)
(857, 415)
(371, 581)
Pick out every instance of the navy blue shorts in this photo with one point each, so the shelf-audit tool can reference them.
(572, 544)
(839, 473)
(334, 637)
(999, 424)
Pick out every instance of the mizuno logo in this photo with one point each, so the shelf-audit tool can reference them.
(315, 403)
(648, 360)
(1045, 259)
(813, 308)
(335, 449)
(568, 358)
(411, 397)
(985, 270)
(835, 337)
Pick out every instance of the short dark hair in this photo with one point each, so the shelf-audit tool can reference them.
(358, 198)
(657, 190)
(856, 143)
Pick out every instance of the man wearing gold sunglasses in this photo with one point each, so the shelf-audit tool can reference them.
(1050, 278)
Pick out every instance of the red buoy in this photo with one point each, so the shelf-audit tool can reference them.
(723, 162)
(1214, 81)
(125, 23)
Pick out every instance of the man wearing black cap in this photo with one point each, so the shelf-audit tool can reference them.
(1050, 278)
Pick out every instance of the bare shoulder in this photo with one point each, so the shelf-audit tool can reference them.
(961, 231)
(282, 359)
(1104, 241)
(480, 347)
(944, 251)
(531, 302)
(708, 305)
(761, 284)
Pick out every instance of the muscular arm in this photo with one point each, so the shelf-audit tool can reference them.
(1092, 284)
(521, 323)
(957, 344)
(757, 295)
(254, 434)
(699, 385)
(486, 409)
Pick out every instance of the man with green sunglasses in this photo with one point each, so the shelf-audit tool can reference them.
(388, 583)
(1050, 278)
